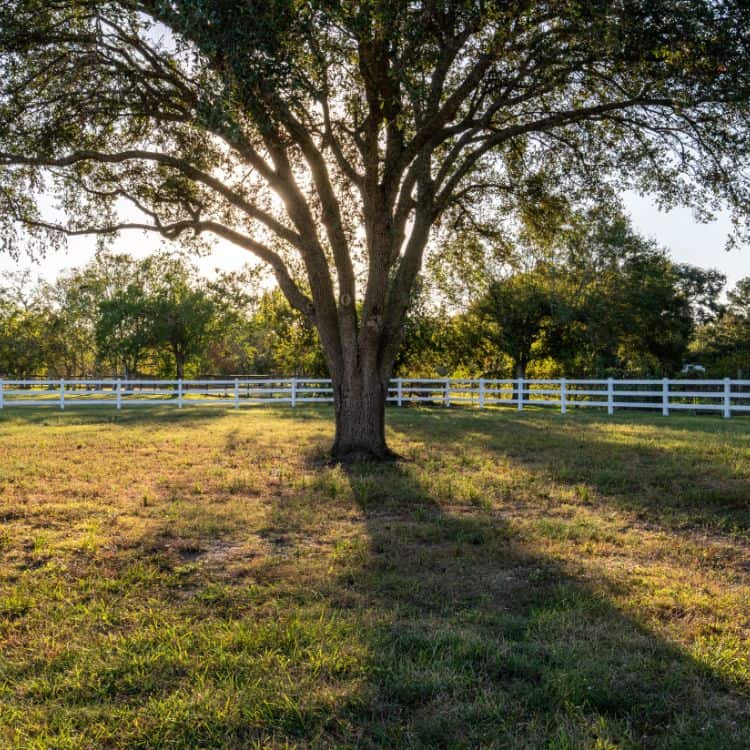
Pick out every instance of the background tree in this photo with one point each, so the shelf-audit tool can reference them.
(434, 342)
(655, 315)
(71, 302)
(702, 287)
(228, 349)
(511, 317)
(739, 299)
(167, 311)
(285, 343)
(723, 344)
(180, 311)
(124, 329)
(22, 324)
(591, 298)
(372, 123)
(630, 317)
(620, 310)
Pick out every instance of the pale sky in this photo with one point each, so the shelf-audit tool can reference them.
(687, 240)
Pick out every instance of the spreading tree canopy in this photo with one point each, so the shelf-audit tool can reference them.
(332, 138)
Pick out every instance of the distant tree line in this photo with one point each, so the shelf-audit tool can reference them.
(593, 299)
(122, 317)
(588, 298)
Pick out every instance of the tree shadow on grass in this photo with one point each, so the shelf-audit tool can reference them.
(680, 473)
(477, 641)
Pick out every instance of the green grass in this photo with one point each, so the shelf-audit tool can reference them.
(203, 579)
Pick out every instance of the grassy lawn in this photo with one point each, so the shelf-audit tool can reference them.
(202, 579)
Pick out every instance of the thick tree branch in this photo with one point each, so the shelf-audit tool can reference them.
(331, 211)
(181, 165)
(558, 119)
(173, 230)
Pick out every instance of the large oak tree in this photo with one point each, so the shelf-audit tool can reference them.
(331, 138)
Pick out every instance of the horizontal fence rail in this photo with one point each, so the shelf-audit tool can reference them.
(728, 397)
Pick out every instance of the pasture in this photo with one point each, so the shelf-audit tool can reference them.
(204, 579)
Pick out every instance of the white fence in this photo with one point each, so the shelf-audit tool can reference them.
(727, 396)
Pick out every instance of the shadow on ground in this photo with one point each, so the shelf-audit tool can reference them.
(680, 472)
(478, 642)
(371, 612)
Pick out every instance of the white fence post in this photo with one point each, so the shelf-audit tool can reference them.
(294, 391)
(481, 393)
(563, 396)
(119, 394)
(179, 393)
(447, 393)
(665, 397)
(727, 398)
(610, 396)
(520, 394)
(399, 392)
(62, 395)
(236, 393)
(1, 393)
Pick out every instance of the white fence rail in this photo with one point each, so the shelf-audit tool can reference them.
(727, 397)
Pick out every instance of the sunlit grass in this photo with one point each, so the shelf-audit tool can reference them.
(206, 579)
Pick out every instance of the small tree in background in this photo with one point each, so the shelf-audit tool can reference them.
(723, 344)
(284, 342)
(22, 327)
(511, 316)
(165, 312)
(181, 312)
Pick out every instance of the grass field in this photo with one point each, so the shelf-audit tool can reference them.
(203, 579)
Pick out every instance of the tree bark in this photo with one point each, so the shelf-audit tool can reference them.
(359, 398)
(520, 374)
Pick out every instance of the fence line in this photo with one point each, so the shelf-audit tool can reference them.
(725, 396)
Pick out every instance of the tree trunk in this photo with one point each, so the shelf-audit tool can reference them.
(520, 373)
(359, 399)
(361, 348)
